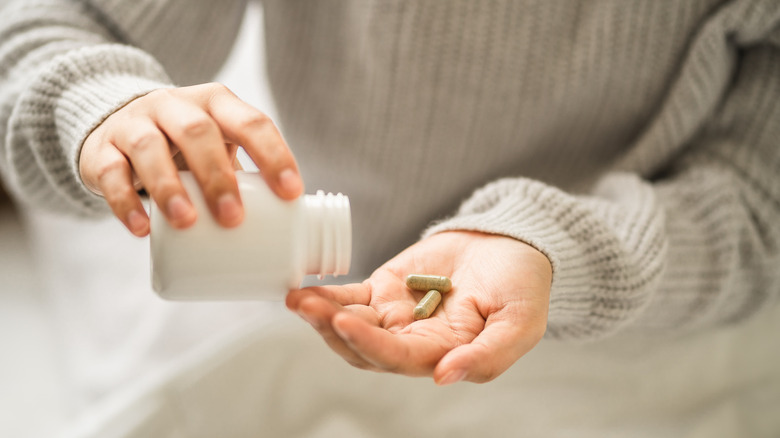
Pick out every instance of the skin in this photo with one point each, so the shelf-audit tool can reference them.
(145, 143)
(495, 313)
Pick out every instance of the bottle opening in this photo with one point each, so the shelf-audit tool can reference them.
(329, 234)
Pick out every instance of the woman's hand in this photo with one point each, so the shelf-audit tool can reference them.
(495, 313)
(143, 144)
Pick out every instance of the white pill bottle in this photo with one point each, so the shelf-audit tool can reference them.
(276, 245)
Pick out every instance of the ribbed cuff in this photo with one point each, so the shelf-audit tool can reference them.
(84, 106)
(517, 208)
(605, 253)
(83, 89)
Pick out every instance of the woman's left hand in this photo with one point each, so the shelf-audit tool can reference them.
(495, 313)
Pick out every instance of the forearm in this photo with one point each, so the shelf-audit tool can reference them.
(696, 245)
(724, 203)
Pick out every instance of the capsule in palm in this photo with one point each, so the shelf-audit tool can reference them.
(429, 282)
(427, 305)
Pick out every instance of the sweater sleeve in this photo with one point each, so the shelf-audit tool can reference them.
(685, 232)
(65, 65)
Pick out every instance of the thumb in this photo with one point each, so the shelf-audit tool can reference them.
(500, 344)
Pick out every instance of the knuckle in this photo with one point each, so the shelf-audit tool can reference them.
(217, 87)
(160, 93)
(254, 121)
(196, 126)
(142, 140)
(214, 89)
(108, 168)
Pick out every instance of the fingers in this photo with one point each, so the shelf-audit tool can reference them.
(409, 354)
(356, 293)
(245, 125)
(352, 329)
(147, 148)
(355, 330)
(200, 141)
(356, 334)
(197, 128)
(114, 180)
(319, 312)
(493, 351)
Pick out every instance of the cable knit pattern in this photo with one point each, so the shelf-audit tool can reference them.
(634, 143)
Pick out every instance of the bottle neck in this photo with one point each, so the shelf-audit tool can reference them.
(329, 234)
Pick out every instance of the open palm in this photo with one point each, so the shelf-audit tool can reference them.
(495, 313)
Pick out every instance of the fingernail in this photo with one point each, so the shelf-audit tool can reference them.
(290, 181)
(136, 222)
(228, 208)
(453, 376)
(178, 208)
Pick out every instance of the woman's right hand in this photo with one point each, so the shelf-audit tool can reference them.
(146, 142)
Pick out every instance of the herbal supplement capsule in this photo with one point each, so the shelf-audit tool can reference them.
(429, 282)
(427, 305)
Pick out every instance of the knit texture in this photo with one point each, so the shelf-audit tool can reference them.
(633, 143)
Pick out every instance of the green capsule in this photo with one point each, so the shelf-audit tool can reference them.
(427, 305)
(429, 282)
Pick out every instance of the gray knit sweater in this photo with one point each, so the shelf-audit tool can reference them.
(637, 144)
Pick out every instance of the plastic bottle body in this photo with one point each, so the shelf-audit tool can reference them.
(268, 254)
